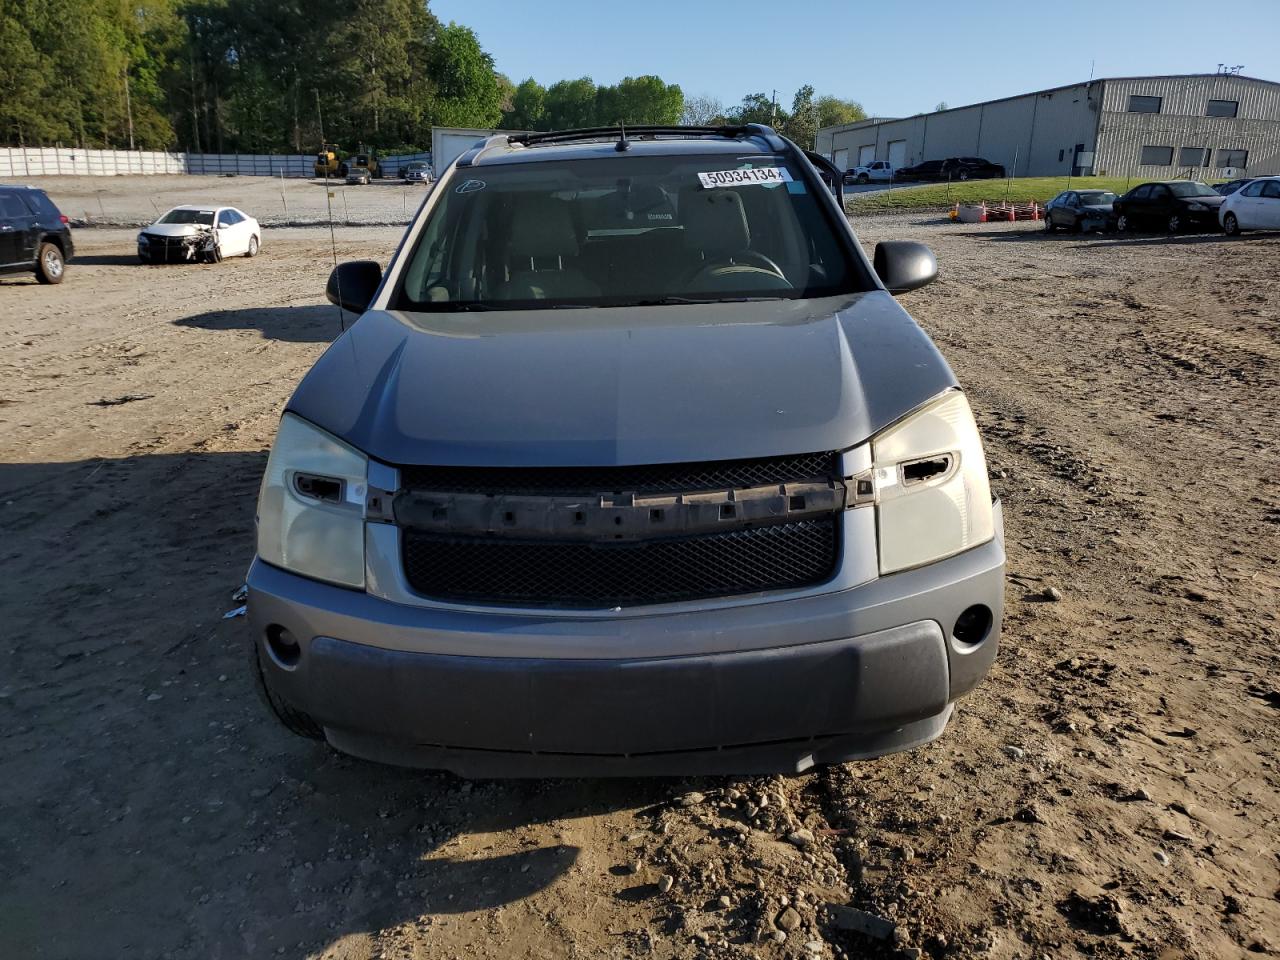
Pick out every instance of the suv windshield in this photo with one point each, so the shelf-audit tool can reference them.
(188, 216)
(1192, 190)
(625, 231)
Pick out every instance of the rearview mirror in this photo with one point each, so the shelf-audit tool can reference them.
(352, 284)
(904, 265)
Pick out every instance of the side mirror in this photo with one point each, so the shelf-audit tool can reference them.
(904, 265)
(352, 284)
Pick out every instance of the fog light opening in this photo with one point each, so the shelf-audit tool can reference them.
(283, 646)
(972, 626)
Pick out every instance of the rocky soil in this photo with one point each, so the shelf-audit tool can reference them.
(1111, 791)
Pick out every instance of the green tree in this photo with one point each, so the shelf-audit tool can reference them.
(639, 100)
(528, 107)
(466, 87)
(758, 108)
(802, 125)
(832, 111)
(571, 103)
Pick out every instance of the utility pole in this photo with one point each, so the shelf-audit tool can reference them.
(319, 115)
(773, 110)
(128, 104)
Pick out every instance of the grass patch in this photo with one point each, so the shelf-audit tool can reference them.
(1018, 190)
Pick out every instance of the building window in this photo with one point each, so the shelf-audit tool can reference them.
(1139, 104)
(1233, 158)
(1193, 157)
(1159, 156)
(1061, 154)
(1222, 108)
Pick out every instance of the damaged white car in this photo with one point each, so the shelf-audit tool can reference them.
(200, 234)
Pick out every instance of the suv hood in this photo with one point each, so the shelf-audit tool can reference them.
(622, 385)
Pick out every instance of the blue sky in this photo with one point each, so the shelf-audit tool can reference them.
(895, 58)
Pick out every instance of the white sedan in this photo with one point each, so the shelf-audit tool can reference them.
(195, 233)
(1255, 206)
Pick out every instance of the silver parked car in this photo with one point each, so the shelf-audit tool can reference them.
(631, 464)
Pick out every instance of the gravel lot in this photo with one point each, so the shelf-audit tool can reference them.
(1111, 791)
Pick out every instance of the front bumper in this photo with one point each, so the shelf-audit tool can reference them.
(818, 679)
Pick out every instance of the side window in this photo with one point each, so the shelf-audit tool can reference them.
(1160, 193)
(1142, 193)
(11, 208)
(1271, 189)
(228, 218)
(1253, 189)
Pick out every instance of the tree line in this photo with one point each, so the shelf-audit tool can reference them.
(268, 76)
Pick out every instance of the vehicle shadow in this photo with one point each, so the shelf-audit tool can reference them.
(151, 799)
(108, 260)
(312, 323)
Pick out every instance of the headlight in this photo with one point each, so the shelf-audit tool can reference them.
(1197, 206)
(933, 499)
(143, 238)
(311, 507)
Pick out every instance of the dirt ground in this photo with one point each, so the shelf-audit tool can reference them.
(1111, 791)
(137, 201)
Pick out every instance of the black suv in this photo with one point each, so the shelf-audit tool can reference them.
(34, 235)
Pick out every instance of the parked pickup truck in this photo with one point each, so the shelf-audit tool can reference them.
(878, 171)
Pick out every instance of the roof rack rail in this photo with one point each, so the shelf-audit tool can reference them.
(597, 133)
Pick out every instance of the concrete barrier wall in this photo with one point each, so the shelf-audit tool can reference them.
(17, 163)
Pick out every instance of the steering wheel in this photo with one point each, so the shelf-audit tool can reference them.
(758, 261)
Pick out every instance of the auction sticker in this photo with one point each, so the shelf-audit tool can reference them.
(737, 178)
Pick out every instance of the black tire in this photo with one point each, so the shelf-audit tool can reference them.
(50, 267)
(863, 178)
(1174, 223)
(295, 721)
(1122, 223)
(963, 175)
(1049, 225)
(1231, 225)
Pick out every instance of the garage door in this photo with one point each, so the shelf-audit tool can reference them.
(866, 154)
(841, 159)
(897, 153)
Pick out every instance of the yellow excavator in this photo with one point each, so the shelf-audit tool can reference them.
(327, 164)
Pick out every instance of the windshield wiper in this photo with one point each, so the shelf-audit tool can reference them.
(667, 301)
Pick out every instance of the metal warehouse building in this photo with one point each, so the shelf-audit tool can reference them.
(1197, 125)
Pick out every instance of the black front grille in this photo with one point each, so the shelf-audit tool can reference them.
(532, 573)
(649, 478)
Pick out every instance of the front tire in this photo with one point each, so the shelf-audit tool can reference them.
(253, 247)
(1230, 225)
(863, 178)
(50, 267)
(295, 721)
(1174, 223)
(964, 175)
(1122, 223)
(1049, 225)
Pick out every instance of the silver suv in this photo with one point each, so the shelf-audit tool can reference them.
(632, 464)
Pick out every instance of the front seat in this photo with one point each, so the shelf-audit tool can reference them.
(542, 239)
(716, 229)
